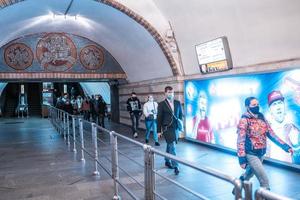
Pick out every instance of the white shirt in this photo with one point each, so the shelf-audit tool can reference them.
(171, 103)
(150, 108)
(275, 151)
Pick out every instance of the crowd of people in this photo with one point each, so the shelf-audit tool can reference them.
(92, 108)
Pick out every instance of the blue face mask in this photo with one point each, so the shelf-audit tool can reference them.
(170, 96)
(254, 110)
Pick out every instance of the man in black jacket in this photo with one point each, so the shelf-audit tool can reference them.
(135, 110)
(169, 111)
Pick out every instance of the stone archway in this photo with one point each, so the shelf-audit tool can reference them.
(139, 19)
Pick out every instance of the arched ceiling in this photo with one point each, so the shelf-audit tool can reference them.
(134, 48)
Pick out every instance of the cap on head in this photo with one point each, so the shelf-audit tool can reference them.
(274, 96)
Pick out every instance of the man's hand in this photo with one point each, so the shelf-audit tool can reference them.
(159, 135)
(291, 151)
(243, 166)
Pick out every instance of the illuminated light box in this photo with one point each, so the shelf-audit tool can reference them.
(214, 56)
(213, 108)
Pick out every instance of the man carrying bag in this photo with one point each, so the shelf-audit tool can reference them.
(169, 121)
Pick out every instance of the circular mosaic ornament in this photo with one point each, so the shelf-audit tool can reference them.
(92, 57)
(56, 52)
(18, 56)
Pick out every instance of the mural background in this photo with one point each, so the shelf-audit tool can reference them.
(213, 108)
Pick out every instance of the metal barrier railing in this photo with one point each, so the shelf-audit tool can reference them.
(61, 121)
(264, 194)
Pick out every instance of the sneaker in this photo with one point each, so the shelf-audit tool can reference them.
(176, 170)
(146, 141)
(157, 144)
(135, 135)
(167, 164)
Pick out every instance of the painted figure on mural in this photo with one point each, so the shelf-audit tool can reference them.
(202, 128)
(283, 125)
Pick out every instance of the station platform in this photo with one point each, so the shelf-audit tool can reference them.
(36, 163)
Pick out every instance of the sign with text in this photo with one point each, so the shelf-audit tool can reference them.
(214, 56)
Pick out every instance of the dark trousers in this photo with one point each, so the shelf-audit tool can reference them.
(101, 120)
(135, 117)
(86, 115)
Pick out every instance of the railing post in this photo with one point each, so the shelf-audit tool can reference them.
(81, 138)
(74, 134)
(94, 138)
(149, 176)
(68, 129)
(248, 190)
(64, 126)
(114, 164)
(57, 120)
(258, 195)
(238, 189)
(60, 119)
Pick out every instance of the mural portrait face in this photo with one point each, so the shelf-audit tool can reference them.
(277, 110)
(202, 105)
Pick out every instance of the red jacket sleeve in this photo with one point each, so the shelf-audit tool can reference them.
(242, 132)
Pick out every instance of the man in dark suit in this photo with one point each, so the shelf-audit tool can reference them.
(169, 111)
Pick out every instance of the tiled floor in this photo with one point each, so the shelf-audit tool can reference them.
(36, 163)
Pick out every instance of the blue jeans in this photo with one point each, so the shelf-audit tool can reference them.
(151, 125)
(171, 149)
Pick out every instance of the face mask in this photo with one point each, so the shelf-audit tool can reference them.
(170, 96)
(254, 110)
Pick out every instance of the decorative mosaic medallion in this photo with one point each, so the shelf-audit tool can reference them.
(56, 52)
(18, 56)
(92, 57)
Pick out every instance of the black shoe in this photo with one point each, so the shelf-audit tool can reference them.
(167, 164)
(146, 141)
(157, 144)
(176, 171)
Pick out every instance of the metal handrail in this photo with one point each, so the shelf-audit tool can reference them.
(264, 194)
(60, 120)
(149, 152)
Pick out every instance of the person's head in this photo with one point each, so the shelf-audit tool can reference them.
(133, 94)
(169, 93)
(150, 98)
(252, 105)
(276, 105)
(97, 97)
(65, 95)
(202, 103)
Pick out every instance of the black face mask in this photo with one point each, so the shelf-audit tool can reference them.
(254, 110)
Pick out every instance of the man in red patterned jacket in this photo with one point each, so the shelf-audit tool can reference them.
(253, 131)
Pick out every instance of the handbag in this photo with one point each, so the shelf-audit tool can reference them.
(150, 117)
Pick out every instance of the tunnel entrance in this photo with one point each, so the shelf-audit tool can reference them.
(22, 99)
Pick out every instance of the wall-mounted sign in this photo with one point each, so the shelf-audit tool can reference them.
(22, 89)
(214, 56)
(65, 89)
